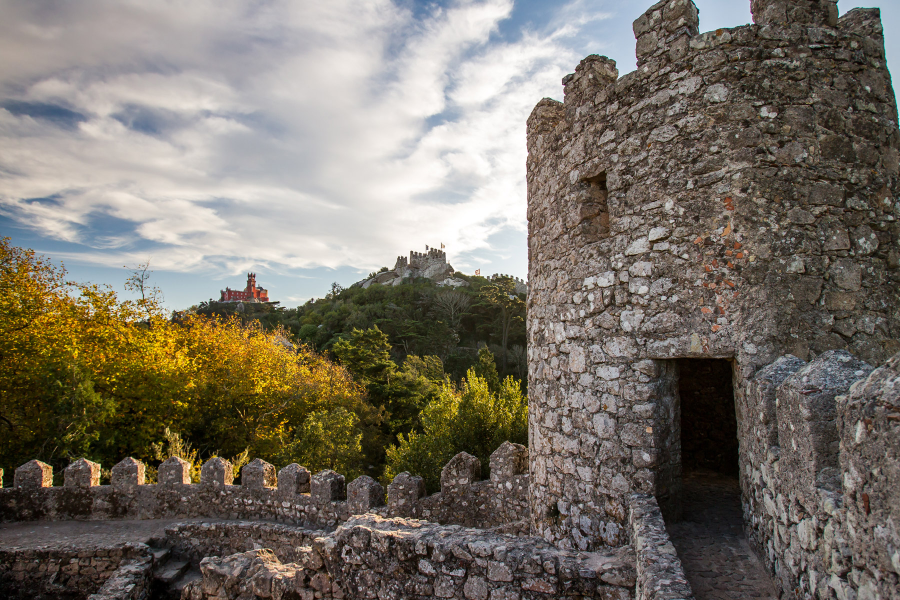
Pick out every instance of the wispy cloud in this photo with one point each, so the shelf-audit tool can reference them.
(229, 134)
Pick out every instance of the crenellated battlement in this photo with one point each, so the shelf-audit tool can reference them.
(734, 198)
(290, 495)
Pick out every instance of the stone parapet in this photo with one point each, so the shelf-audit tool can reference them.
(660, 575)
(869, 426)
(807, 428)
(820, 497)
(290, 496)
(371, 557)
(465, 499)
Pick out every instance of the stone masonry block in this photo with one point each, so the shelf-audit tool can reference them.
(216, 471)
(463, 469)
(258, 475)
(82, 473)
(806, 411)
(759, 410)
(174, 471)
(363, 494)
(662, 20)
(328, 486)
(293, 479)
(507, 461)
(404, 492)
(869, 425)
(790, 12)
(128, 473)
(33, 474)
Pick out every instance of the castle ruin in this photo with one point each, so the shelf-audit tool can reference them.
(431, 265)
(714, 235)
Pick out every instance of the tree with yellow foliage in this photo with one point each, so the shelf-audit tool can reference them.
(83, 373)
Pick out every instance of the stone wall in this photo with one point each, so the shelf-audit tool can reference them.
(317, 501)
(371, 557)
(820, 469)
(734, 197)
(660, 575)
(501, 501)
(195, 541)
(291, 495)
(131, 581)
(71, 573)
(869, 430)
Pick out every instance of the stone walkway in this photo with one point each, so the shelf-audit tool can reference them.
(710, 541)
(47, 534)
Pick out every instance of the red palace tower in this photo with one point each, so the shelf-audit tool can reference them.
(251, 293)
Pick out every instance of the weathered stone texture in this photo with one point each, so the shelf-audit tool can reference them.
(371, 557)
(807, 432)
(805, 455)
(130, 581)
(734, 197)
(869, 424)
(68, 572)
(258, 474)
(128, 473)
(364, 494)
(222, 538)
(660, 575)
(82, 474)
(216, 472)
(176, 471)
(33, 474)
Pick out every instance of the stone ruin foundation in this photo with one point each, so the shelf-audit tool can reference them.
(714, 286)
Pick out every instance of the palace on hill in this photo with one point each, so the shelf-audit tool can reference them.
(251, 293)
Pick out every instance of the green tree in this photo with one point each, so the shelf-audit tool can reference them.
(367, 355)
(486, 368)
(508, 306)
(466, 418)
(328, 439)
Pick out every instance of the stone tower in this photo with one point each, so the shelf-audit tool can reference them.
(734, 198)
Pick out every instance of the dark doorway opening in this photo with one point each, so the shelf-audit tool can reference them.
(709, 537)
(709, 439)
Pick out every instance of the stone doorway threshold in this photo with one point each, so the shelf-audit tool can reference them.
(717, 560)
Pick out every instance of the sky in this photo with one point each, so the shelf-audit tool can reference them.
(309, 142)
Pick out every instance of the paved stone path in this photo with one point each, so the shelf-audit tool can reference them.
(710, 541)
(42, 534)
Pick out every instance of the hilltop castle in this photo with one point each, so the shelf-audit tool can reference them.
(251, 293)
(716, 234)
(431, 265)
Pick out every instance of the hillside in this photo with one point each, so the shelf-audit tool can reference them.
(419, 317)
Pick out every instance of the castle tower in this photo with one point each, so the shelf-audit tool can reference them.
(732, 200)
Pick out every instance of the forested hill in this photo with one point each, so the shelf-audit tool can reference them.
(379, 384)
(418, 317)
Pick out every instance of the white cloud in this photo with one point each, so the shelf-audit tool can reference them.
(231, 134)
